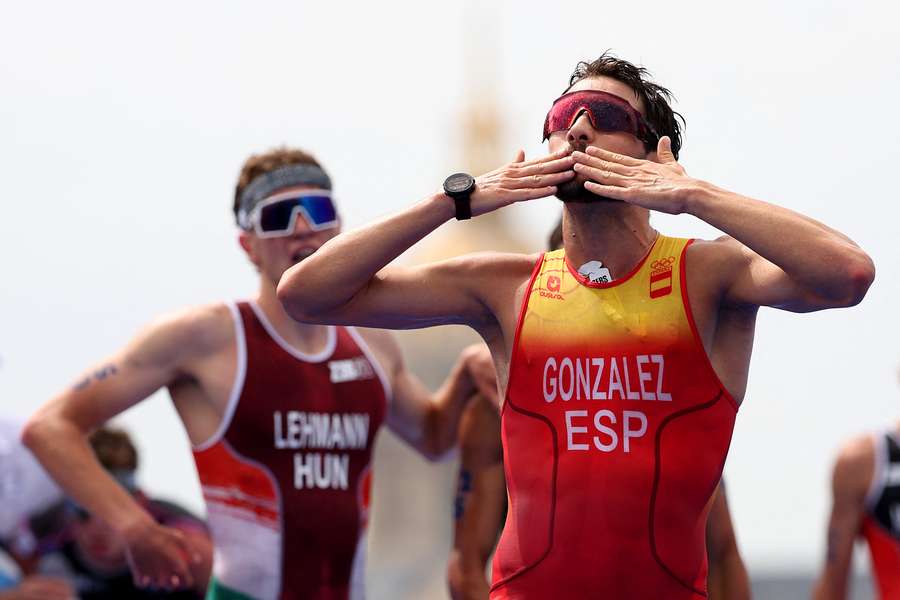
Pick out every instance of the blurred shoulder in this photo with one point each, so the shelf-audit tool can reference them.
(855, 463)
(195, 329)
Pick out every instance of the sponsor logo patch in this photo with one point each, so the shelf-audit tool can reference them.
(351, 369)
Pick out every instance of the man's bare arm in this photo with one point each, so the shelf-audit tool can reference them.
(783, 259)
(429, 421)
(57, 435)
(480, 503)
(728, 578)
(852, 475)
(346, 282)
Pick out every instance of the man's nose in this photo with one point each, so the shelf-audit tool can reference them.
(581, 132)
(301, 226)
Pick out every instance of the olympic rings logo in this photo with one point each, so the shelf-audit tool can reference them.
(663, 263)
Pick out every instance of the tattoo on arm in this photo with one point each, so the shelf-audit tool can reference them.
(463, 488)
(100, 374)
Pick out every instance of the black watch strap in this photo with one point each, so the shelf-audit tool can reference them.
(463, 207)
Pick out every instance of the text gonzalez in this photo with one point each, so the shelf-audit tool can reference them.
(636, 377)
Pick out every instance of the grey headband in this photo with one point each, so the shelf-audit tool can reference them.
(267, 184)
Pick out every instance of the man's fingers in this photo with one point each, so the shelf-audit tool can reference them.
(664, 150)
(557, 164)
(550, 157)
(539, 181)
(520, 156)
(531, 193)
(612, 156)
(179, 574)
(610, 191)
(601, 176)
(581, 158)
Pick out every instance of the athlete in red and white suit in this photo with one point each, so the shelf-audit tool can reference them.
(608, 491)
(281, 415)
(865, 503)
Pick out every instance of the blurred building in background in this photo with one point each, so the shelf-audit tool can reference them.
(411, 497)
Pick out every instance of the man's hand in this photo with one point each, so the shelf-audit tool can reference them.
(520, 180)
(40, 587)
(160, 557)
(480, 368)
(661, 185)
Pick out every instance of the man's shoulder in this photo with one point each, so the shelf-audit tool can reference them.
(721, 250)
(855, 464)
(196, 330)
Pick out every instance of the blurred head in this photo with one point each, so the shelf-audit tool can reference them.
(282, 203)
(628, 83)
(97, 542)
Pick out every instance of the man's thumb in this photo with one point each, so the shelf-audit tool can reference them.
(664, 150)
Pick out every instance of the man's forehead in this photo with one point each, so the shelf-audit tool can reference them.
(612, 86)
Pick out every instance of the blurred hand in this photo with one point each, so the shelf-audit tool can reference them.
(480, 367)
(39, 587)
(521, 180)
(160, 557)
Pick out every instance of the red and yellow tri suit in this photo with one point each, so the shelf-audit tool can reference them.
(615, 431)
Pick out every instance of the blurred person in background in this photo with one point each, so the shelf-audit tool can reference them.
(25, 491)
(13, 586)
(282, 415)
(623, 358)
(865, 503)
(84, 550)
(480, 508)
(25, 487)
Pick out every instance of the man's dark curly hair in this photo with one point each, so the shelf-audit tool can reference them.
(656, 99)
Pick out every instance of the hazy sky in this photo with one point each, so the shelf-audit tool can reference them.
(123, 125)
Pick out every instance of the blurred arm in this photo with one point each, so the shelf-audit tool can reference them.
(728, 578)
(851, 477)
(480, 505)
(57, 432)
(40, 587)
(426, 421)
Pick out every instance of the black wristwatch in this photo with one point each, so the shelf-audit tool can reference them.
(460, 186)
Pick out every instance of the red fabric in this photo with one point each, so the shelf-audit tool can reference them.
(885, 552)
(320, 527)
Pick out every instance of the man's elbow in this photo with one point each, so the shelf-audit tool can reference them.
(298, 305)
(859, 273)
(37, 430)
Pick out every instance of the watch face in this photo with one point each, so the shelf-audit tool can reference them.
(458, 183)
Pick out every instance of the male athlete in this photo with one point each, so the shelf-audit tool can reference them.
(281, 415)
(623, 357)
(480, 508)
(865, 502)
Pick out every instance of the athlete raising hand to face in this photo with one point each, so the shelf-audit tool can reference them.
(622, 357)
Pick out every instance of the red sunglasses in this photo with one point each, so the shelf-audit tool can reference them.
(607, 112)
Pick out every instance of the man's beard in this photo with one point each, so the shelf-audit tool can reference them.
(573, 190)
